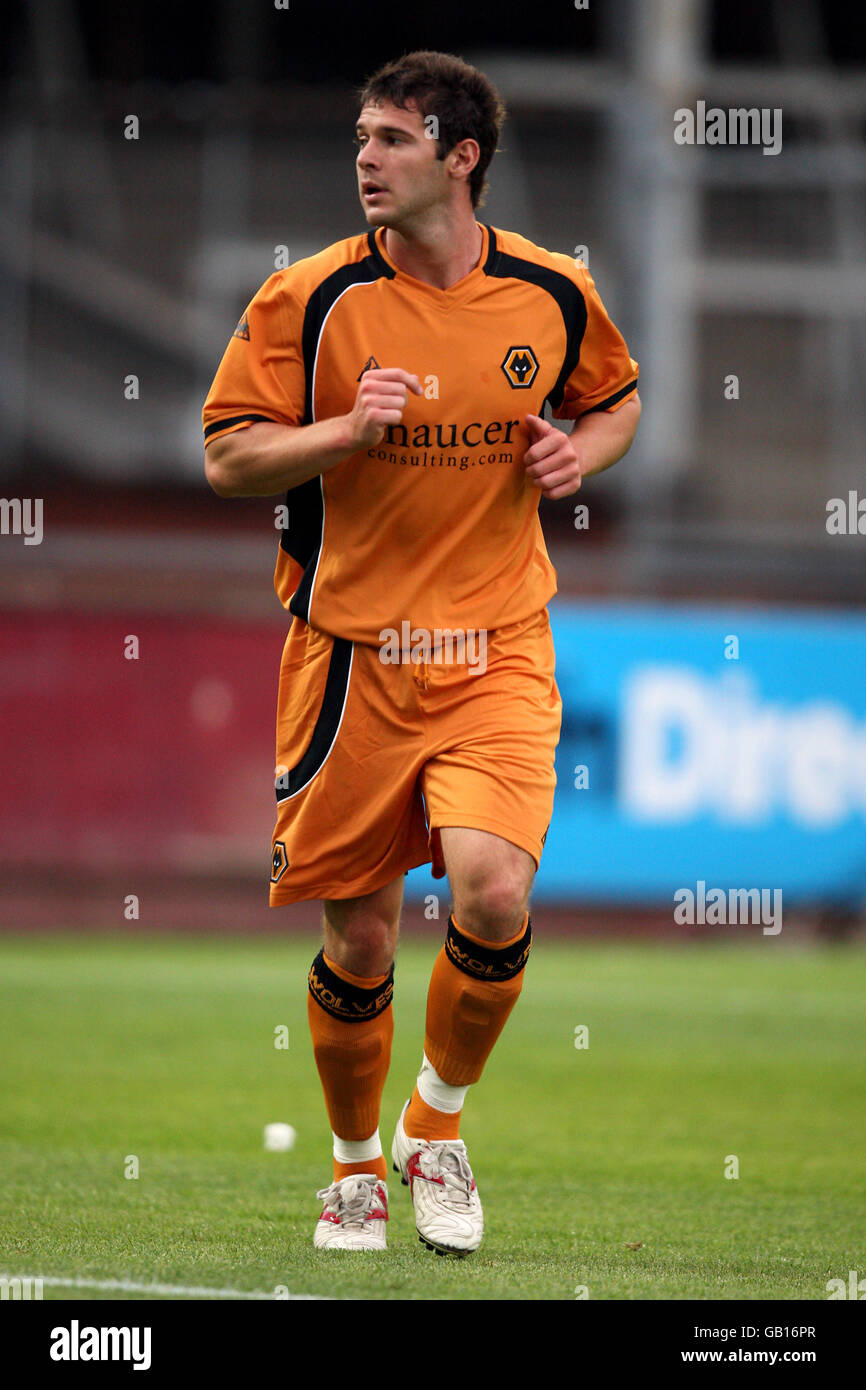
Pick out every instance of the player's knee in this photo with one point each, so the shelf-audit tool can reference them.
(492, 905)
(362, 941)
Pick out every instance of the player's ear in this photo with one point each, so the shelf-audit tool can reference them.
(464, 156)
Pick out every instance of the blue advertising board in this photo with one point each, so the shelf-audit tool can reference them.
(725, 745)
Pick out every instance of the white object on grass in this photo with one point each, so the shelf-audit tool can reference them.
(279, 1138)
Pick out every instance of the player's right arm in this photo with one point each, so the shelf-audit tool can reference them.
(267, 458)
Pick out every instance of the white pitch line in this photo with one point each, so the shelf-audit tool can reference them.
(179, 1290)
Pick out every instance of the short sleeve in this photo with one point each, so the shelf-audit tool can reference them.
(261, 375)
(605, 375)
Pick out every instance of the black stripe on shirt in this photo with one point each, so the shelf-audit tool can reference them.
(238, 420)
(571, 303)
(612, 400)
(302, 537)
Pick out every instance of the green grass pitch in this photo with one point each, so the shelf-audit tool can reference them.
(163, 1049)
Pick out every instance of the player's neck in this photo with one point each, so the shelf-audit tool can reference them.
(439, 254)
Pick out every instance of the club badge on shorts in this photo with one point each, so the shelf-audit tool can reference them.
(279, 862)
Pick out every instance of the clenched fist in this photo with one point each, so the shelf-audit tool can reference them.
(383, 393)
(551, 461)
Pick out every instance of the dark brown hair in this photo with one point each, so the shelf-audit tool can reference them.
(464, 102)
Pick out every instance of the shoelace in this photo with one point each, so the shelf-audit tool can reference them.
(444, 1160)
(351, 1199)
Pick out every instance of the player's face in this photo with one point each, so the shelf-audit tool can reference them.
(399, 177)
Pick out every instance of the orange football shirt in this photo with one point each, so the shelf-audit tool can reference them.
(437, 525)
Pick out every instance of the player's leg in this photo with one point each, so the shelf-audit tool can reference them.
(490, 881)
(475, 983)
(477, 976)
(489, 790)
(499, 775)
(351, 1023)
(350, 823)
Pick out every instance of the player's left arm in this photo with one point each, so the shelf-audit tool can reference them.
(556, 462)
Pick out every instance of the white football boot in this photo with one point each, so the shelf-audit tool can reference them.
(355, 1213)
(448, 1215)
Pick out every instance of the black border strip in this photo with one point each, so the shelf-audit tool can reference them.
(328, 722)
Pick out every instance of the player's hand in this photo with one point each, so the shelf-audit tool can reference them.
(551, 461)
(382, 396)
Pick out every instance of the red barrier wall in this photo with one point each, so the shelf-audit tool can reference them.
(161, 763)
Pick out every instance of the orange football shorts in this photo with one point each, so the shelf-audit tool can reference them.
(375, 755)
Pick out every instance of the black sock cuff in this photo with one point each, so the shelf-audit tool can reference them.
(342, 1000)
(487, 962)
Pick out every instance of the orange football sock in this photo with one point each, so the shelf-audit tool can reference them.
(473, 989)
(352, 1024)
(421, 1121)
(373, 1165)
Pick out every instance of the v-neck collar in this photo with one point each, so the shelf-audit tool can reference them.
(455, 294)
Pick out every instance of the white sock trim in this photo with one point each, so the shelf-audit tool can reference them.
(357, 1150)
(437, 1093)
